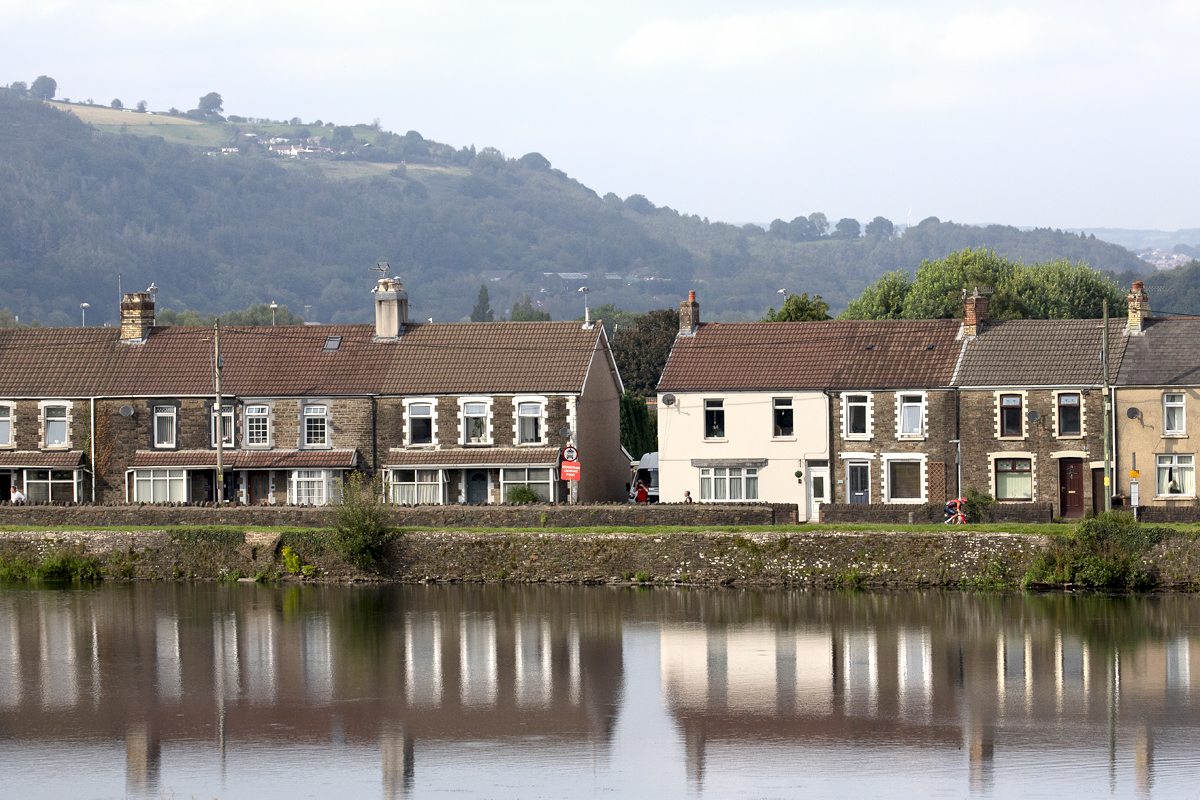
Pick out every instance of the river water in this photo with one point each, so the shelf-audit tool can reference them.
(248, 691)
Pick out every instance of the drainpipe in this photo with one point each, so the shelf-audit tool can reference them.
(832, 456)
(374, 441)
(93, 438)
(958, 441)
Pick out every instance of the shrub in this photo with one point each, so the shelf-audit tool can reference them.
(1104, 552)
(360, 521)
(520, 495)
(976, 505)
(291, 560)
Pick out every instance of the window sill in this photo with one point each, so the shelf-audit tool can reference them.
(532, 444)
(1075, 436)
(911, 437)
(783, 438)
(857, 437)
(315, 447)
(913, 501)
(1014, 500)
(1174, 436)
(1011, 438)
(1174, 497)
(422, 446)
(477, 444)
(57, 447)
(716, 441)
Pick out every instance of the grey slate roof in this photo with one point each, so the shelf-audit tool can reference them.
(1041, 352)
(1167, 354)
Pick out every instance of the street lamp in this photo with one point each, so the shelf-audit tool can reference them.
(274, 306)
(83, 307)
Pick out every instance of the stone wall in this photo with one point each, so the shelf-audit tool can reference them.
(1155, 515)
(447, 517)
(898, 514)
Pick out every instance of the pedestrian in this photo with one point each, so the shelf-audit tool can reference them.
(643, 496)
(15, 495)
(687, 496)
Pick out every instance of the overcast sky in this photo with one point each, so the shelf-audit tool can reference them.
(1060, 114)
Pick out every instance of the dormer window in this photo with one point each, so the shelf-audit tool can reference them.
(332, 344)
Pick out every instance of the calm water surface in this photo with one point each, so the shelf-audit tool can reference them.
(251, 691)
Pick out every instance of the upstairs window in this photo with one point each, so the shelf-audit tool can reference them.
(912, 415)
(316, 429)
(226, 426)
(783, 417)
(1070, 416)
(714, 419)
(420, 424)
(6, 432)
(164, 426)
(55, 420)
(1010, 415)
(1173, 412)
(258, 426)
(475, 423)
(856, 415)
(529, 422)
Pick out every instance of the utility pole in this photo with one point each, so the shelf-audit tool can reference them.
(1107, 415)
(219, 420)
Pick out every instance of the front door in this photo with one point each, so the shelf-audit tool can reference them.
(1070, 487)
(260, 488)
(860, 482)
(477, 486)
(818, 489)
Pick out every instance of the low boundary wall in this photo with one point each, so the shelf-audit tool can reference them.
(899, 513)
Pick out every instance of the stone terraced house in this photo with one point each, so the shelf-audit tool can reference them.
(445, 413)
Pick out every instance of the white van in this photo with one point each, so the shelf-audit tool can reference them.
(647, 473)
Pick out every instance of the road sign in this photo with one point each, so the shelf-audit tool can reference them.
(570, 470)
(570, 453)
(1133, 473)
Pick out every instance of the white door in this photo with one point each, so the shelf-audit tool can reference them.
(818, 490)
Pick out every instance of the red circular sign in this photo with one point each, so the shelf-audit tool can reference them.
(570, 454)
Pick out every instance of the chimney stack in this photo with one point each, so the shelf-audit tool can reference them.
(391, 310)
(137, 317)
(689, 315)
(1139, 309)
(974, 313)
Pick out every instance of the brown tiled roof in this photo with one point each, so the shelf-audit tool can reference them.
(57, 362)
(481, 457)
(443, 358)
(1041, 352)
(36, 460)
(861, 354)
(246, 459)
(1166, 354)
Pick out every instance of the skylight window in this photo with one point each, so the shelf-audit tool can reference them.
(332, 344)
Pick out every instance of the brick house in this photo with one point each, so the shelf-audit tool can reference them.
(862, 410)
(1031, 408)
(444, 413)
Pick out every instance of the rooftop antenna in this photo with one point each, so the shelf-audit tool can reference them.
(382, 268)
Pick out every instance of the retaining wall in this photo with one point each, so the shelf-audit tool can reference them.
(898, 513)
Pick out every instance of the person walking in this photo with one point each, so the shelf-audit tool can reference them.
(15, 496)
(687, 496)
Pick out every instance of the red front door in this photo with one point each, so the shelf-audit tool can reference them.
(1070, 487)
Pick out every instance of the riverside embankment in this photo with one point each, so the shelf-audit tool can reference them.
(753, 559)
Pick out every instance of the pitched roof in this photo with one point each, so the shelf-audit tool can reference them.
(247, 459)
(60, 459)
(506, 456)
(1166, 354)
(1041, 352)
(861, 354)
(449, 358)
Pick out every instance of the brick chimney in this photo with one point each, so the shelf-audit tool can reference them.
(391, 310)
(1139, 309)
(137, 317)
(974, 313)
(689, 315)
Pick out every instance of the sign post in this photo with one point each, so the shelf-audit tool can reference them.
(569, 470)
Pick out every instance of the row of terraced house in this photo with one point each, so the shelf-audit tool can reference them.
(893, 412)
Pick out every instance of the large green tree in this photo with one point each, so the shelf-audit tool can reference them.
(254, 315)
(639, 429)
(211, 103)
(641, 350)
(524, 311)
(799, 308)
(482, 312)
(44, 87)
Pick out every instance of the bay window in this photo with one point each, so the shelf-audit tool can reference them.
(52, 485)
(159, 485)
(311, 487)
(536, 478)
(412, 487)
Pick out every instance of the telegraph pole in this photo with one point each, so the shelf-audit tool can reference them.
(219, 421)
(1107, 415)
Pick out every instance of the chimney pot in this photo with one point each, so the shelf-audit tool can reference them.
(975, 309)
(137, 317)
(1139, 309)
(689, 314)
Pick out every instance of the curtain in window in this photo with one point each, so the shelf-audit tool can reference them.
(1014, 479)
(1176, 475)
(904, 480)
(910, 418)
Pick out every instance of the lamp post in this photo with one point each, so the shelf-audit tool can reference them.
(83, 307)
(274, 306)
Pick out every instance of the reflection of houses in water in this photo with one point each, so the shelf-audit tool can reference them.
(200, 663)
(864, 683)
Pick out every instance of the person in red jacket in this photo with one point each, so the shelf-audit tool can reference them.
(643, 495)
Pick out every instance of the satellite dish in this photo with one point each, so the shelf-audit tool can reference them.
(1034, 416)
(564, 432)
(126, 411)
(668, 399)
(1133, 413)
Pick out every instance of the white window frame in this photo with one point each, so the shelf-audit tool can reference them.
(870, 413)
(313, 410)
(323, 481)
(408, 418)
(1181, 404)
(719, 406)
(250, 411)
(778, 403)
(508, 479)
(146, 480)
(9, 411)
(1172, 461)
(43, 407)
(165, 411)
(886, 478)
(720, 480)
(395, 485)
(462, 421)
(226, 413)
(29, 476)
(1058, 434)
(541, 417)
(922, 406)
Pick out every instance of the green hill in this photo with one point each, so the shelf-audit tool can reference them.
(83, 202)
